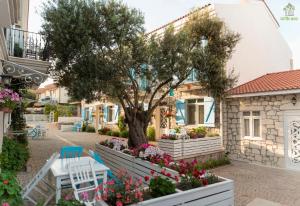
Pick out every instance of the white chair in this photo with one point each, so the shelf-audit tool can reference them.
(84, 182)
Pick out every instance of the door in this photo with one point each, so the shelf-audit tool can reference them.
(163, 120)
(292, 141)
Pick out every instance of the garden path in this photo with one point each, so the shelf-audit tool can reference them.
(251, 181)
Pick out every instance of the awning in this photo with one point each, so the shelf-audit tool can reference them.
(30, 76)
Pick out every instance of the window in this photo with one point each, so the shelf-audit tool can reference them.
(195, 111)
(110, 113)
(251, 124)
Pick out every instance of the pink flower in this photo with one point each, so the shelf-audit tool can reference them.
(152, 172)
(118, 195)
(85, 196)
(119, 203)
(5, 204)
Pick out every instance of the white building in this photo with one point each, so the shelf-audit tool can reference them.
(53, 93)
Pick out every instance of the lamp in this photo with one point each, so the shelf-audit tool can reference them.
(294, 100)
(5, 79)
(203, 42)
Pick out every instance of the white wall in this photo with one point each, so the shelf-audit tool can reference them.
(261, 49)
(63, 95)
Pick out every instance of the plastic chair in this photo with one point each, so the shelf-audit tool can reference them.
(97, 157)
(71, 152)
(84, 182)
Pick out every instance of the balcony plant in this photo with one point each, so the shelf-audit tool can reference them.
(8, 99)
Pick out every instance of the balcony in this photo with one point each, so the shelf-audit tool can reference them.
(27, 49)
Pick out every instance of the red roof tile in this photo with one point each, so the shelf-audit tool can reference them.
(279, 81)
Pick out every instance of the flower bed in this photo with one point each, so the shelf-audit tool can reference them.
(138, 168)
(187, 148)
(194, 186)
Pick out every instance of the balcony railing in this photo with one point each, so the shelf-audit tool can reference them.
(25, 44)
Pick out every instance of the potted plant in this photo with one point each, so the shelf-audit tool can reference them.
(8, 99)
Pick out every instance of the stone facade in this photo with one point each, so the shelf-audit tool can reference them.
(269, 150)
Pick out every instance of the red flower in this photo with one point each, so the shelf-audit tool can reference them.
(146, 178)
(168, 174)
(152, 172)
(196, 173)
(205, 182)
(163, 172)
(176, 178)
(5, 182)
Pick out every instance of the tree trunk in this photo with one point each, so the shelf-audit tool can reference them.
(137, 130)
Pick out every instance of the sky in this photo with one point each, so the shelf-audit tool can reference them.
(159, 12)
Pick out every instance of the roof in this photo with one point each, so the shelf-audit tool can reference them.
(47, 87)
(272, 82)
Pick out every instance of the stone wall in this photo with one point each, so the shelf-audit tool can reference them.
(269, 150)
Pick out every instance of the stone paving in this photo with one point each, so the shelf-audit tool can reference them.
(251, 181)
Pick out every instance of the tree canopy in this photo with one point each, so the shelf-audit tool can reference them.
(101, 48)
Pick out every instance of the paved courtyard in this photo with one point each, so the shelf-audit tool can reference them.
(251, 181)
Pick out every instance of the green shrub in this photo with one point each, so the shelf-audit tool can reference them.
(177, 129)
(121, 123)
(90, 129)
(10, 190)
(201, 131)
(104, 130)
(213, 163)
(18, 51)
(115, 133)
(151, 133)
(124, 134)
(14, 155)
(161, 186)
(109, 133)
(49, 107)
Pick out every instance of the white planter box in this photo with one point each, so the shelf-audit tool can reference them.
(218, 194)
(180, 149)
(136, 167)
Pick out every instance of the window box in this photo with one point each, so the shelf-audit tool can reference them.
(180, 149)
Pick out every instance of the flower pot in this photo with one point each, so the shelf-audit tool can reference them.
(6, 109)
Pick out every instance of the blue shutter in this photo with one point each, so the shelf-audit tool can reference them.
(83, 114)
(116, 113)
(105, 113)
(192, 76)
(143, 79)
(180, 112)
(194, 73)
(171, 93)
(132, 73)
(209, 111)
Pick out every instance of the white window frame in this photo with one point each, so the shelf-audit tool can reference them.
(196, 112)
(251, 125)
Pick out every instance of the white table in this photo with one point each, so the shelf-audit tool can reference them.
(60, 171)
